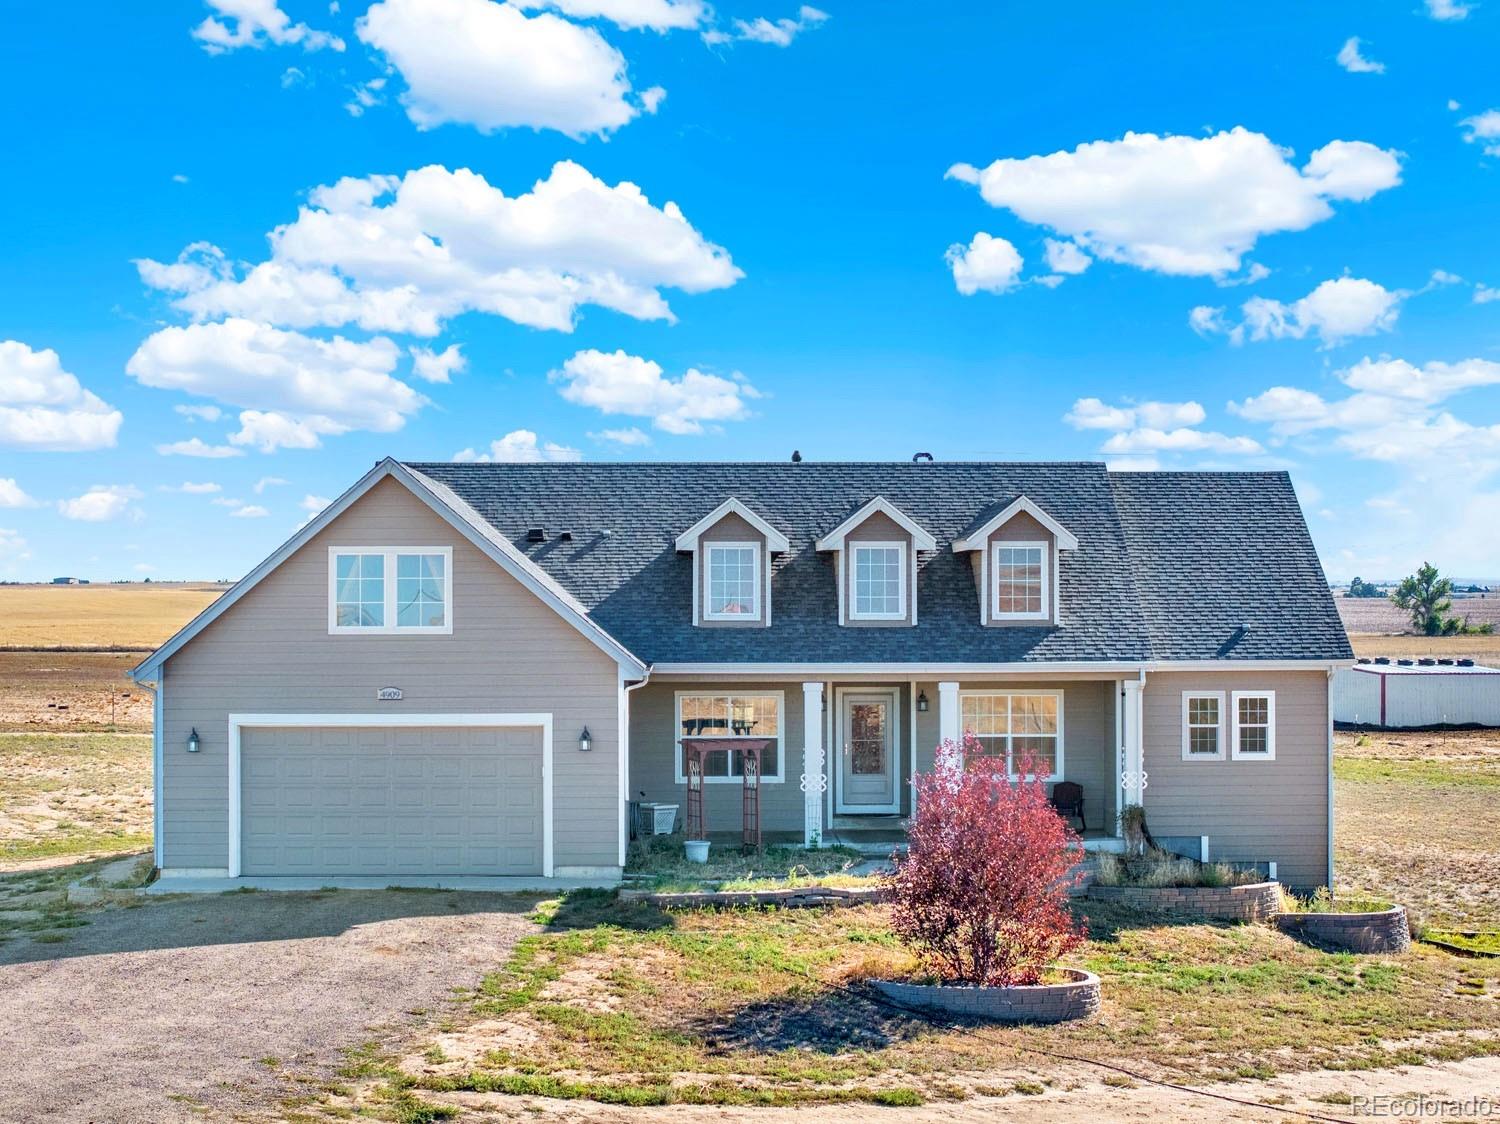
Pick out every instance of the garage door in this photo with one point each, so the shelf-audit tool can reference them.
(382, 801)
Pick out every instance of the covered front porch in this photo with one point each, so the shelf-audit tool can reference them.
(845, 748)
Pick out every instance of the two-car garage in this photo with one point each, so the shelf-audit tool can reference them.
(369, 796)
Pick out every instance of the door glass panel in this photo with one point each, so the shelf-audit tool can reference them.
(867, 738)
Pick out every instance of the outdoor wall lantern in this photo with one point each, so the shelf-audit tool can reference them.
(194, 745)
(922, 701)
(585, 741)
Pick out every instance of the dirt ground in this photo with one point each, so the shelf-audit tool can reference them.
(130, 614)
(68, 795)
(1415, 821)
(199, 1008)
(71, 691)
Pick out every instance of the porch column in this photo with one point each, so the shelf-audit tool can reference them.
(814, 776)
(949, 720)
(1132, 753)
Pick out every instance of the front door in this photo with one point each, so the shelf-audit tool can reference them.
(867, 757)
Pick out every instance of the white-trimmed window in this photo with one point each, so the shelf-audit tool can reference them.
(733, 582)
(1254, 733)
(1013, 724)
(1203, 725)
(390, 590)
(1019, 580)
(879, 581)
(702, 714)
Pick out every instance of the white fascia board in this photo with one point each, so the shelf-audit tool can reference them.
(921, 539)
(776, 542)
(1065, 538)
(1109, 668)
(458, 514)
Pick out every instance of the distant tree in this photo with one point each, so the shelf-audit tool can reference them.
(1361, 588)
(1428, 599)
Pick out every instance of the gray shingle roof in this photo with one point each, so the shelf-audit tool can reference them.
(622, 566)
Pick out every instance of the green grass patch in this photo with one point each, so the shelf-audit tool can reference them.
(1484, 773)
(1471, 940)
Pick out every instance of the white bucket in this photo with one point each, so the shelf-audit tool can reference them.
(697, 850)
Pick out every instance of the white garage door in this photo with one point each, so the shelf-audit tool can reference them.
(384, 801)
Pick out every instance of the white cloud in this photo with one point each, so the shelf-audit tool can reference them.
(1092, 413)
(200, 413)
(292, 76)
(367, 95)
(1335, 311)
(11, 494)
(45, 408)
(178, 177)
(1432, 382)
(189, 488)
(632, 15)
(474, 62)
(404, 254)
(778, 33)
(629, 436)
(100, 503)
(293, 387)
(1181, 440)
(254, 23)
(520, 446)
(1447, 9)
(1066, 257)
(197, 447)
(617, 383)
(249, 511)
(1483, 294)
(437, 366)
(987, 264)
(269, 482)
(1483, 129)
(1354, 62)
(1177, 204)
(314, 504)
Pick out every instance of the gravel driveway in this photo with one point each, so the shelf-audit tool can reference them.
(145, 1013)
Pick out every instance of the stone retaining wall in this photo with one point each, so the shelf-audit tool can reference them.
(1256, 902)
(1386, 931)
(1078, 998)
(800, 896)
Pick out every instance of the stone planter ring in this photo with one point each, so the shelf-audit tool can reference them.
(1077, 997)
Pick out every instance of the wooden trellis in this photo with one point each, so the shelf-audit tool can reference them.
(695, 753)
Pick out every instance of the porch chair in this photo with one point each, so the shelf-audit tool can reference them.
(1067, 798)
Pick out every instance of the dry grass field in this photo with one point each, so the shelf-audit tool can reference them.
(1415, 821)
(66, 691)
(133, 615)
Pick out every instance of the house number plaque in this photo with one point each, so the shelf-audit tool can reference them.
(388, 694)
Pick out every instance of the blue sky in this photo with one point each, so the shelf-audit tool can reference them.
(1186, 236)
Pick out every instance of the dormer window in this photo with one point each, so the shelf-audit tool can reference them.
(733, 581)
(732, 547)
(879, 581)
(1019, 570)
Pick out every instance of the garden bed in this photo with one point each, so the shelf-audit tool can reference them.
(1076, 996)
(657, 864)
(1256, 902)
(1384, 931)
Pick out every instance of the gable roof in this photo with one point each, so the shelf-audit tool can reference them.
(1214, 552)
(921, 538)
(776, 542)
(455, 511)
(975, 538)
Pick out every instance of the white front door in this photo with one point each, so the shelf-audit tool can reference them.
(867, 753)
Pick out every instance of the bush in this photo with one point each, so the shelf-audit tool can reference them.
(982, 894)
(1158, 869)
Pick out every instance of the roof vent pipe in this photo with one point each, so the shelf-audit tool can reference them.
(796, 456)
(918, 458)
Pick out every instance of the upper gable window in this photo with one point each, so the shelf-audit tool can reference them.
(733, 581)
(879, 581)
(375, 590)
(1020, 580)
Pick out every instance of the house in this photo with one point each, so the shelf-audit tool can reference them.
(468, 669)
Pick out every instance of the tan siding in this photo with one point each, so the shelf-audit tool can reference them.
(731, 528)
(508, 653)
(878, 527)
(1250, 810)
(653, 750)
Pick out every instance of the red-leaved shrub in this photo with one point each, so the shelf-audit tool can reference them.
(982, 893)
